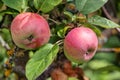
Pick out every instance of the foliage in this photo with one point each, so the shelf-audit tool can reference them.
(41, 60)
(86, 7)
(62, 16)
(46, 6)
(103, 22)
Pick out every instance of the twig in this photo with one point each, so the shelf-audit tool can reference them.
(56, 22)
(105, 50)
(118, 29)
(106, 13)
(116, 50)
(110, 17)
(4, 44)
(59, 42)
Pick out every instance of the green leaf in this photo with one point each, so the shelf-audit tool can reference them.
(46, 5)
(102, 22)
(5, 33)
(94, 28)
(69, 0)
(112, 42)
(1, 4)
(97, 64)
(41, 60)
(61, 33)
(88, 6)
(72, 78)
(108, 68)
(1, 17)
(18, 5)
(7, 11)
(2, 53)
(104, 56)
(61, 30)
(68, 15)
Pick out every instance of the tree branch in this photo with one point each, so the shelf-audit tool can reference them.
(110, 17)
(3, 43)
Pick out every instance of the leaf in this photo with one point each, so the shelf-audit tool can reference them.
(108, 68)
(7, 11)
(94, 28)
(89, 6)
(68, 15)
(72, 78)
(69, 0)
(18, 5)
(97, 64)
(5, 33)
(46, 5)
(1, 4)
(41, 60)
(61, 30)
(2, 53)
(61, 33)
(112, 42)
(104, 56)
(102, 22)
(1, 17)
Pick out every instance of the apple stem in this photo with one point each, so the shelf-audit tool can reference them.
(60, 42)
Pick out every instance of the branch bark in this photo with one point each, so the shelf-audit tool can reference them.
(4, 44)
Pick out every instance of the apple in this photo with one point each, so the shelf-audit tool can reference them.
(80, 44)
(30, 30)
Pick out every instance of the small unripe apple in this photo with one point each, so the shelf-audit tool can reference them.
(80, 44)
(30, 30)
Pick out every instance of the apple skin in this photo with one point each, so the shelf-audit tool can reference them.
(30, 30)
(80, 44)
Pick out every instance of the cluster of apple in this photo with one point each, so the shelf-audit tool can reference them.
(31, 31)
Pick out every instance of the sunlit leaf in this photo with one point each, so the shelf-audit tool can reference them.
(61, 30)
(41, 60)
(46, 5)
(102, 22)
(18, 5)
(88, 6)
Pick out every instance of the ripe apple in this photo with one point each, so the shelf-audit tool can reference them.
(30, 30)
(80, 44)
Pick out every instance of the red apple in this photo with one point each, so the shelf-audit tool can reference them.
(30, 30)
(80, 44)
